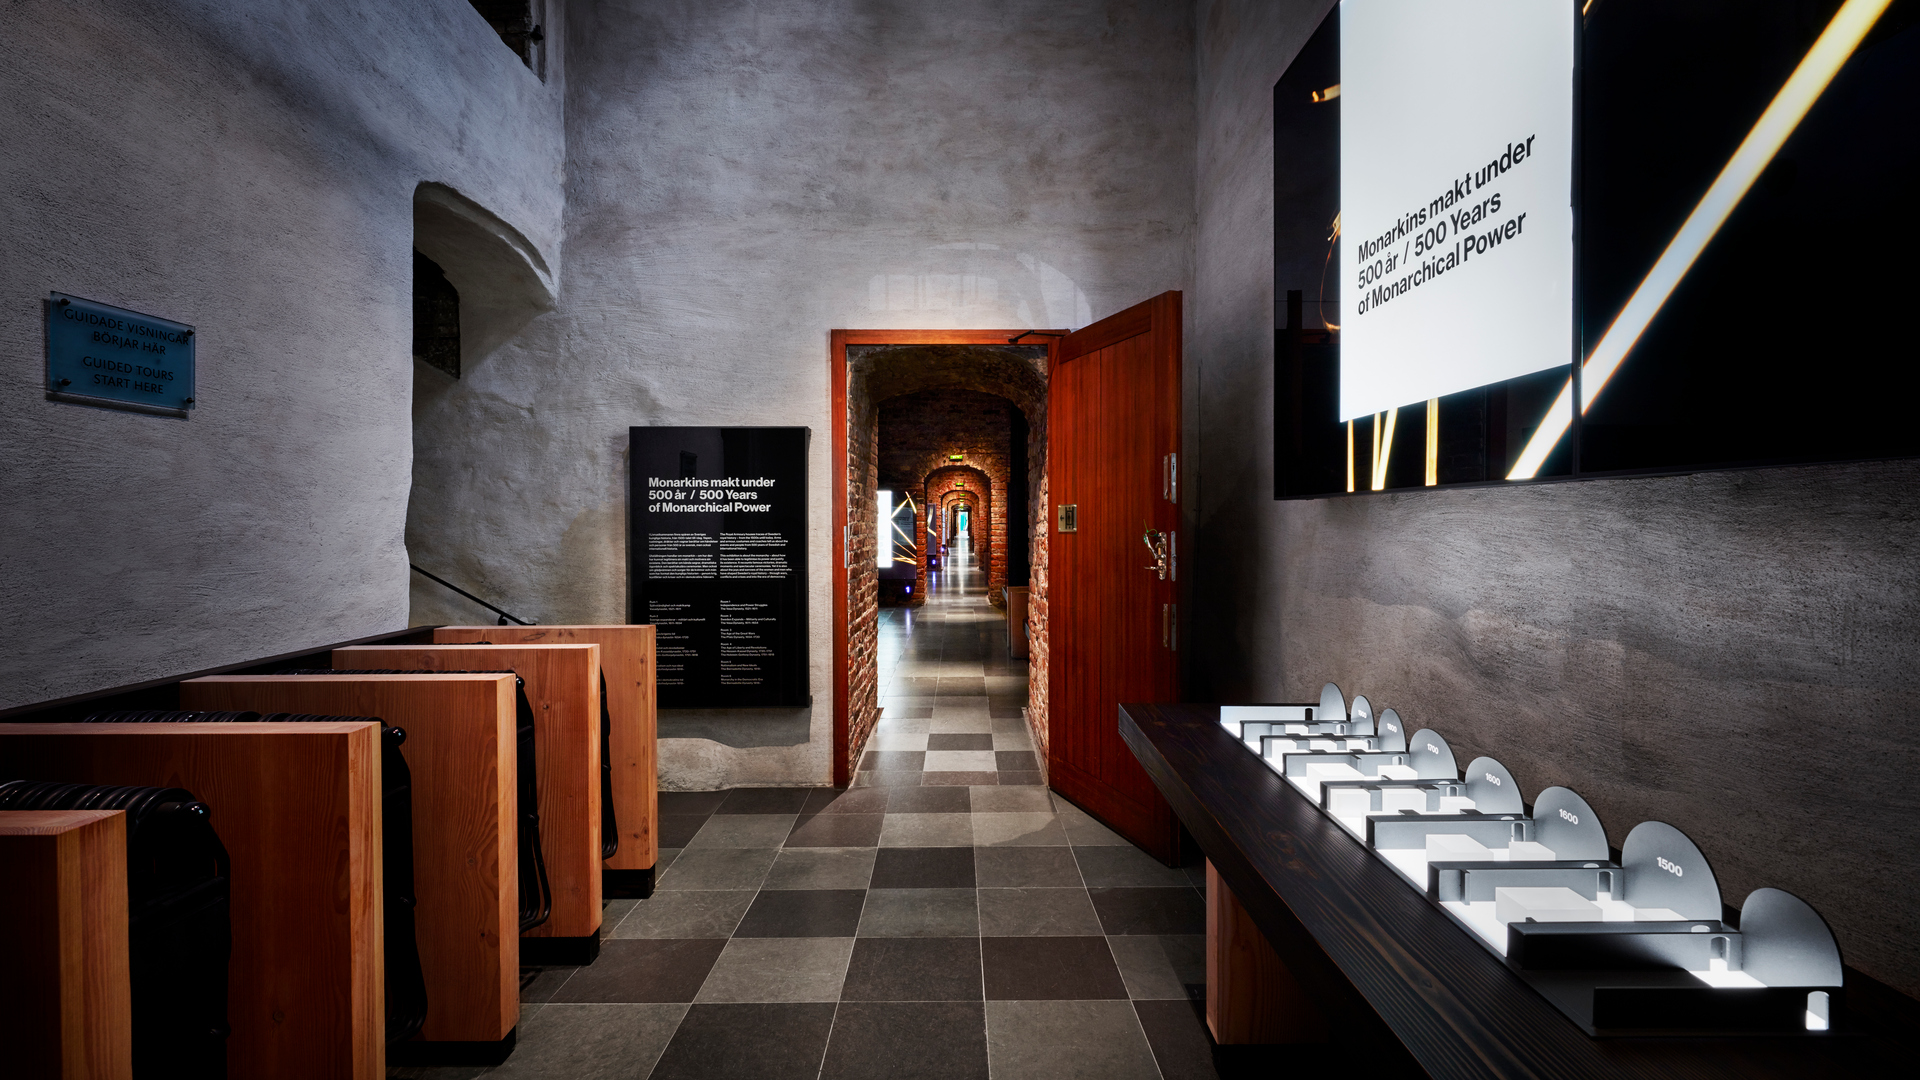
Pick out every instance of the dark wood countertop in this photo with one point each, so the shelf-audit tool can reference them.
(1377, 952)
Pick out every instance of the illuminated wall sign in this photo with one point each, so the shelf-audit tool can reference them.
(120, 359)
(1456, 166)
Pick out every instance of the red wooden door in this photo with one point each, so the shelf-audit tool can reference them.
(1113, 422)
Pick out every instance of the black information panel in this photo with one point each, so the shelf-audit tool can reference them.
(718, 562)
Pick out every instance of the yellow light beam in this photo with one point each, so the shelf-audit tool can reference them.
(1383, 448)
(1433, 442)
(1808, 81)
(1349, 457)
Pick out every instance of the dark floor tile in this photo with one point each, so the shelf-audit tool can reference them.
(1006, 701)
(836, 830)
(644, 970)
(961, 685)
(1107, 867)
(1006, 712)
(893, 761)
(765, 800)
(691, 802)
(795, 913)
(1150, 911)
(580, 1042)
(1024, 779)
(1177, 1032)
(960, 742)
(1015, 760)
(960, 779)
(1050, 969)
(541, 983)
(844, 801)
(766, 1042)
(913, 969)
(923, 868)
(929, 800)
(677, 829)
(1026, 868)
(928, 1040)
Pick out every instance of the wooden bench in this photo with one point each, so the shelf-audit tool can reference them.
(460, 750)
(298, 808)
(563, 686)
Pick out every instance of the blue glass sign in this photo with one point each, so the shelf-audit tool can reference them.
(120, 359)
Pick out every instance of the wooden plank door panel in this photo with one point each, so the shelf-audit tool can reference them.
(1114, 416)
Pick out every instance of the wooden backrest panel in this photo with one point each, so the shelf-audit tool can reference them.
(563, 685)
(627, 657)
(298, 808)
(65, 1001)
(460, 750)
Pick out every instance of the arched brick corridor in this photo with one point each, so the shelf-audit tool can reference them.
(986, 379)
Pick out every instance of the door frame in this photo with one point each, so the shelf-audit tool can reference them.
(837, 342)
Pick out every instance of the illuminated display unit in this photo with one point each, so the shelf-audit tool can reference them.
(1731, 250)
(1634, 945)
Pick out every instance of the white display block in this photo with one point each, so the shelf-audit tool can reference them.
(1455, 847)
(1557, 904)
(1528, 851)
(1454, 804)
(1394, 800)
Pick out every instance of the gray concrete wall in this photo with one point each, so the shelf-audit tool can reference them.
(1733, 653)
(745, 177)
(248, 169)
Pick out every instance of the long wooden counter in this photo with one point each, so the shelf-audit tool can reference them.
(1380, 958)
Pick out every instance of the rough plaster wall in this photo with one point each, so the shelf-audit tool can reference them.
(1728, 652)
(248, 169)
(744, 177)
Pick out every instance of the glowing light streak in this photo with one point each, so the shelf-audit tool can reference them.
(1433, 441)
(1791, 105)
(1382, 447)
(1349, 457)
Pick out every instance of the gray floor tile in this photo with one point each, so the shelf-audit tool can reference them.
(719, 868)
(821, 868)
(1067, 1040)
(1037, 913)
(778, 969)
(742, 831)
(1026, 867)
(1010, 800)
(927, 830)
(591, 1042)
(1160, 967)
(961, 761)
(962, 724)
(1013, 740)
(688, 914)
(899, 741)
(947, 1041)
(920, 913)
(1017, 830)
(764, 1041)
(1104, 866)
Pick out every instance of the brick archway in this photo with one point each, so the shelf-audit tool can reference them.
(946, 485)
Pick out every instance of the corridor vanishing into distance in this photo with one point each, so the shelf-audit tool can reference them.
(946, 916)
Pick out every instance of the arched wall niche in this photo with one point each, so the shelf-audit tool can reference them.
(502, 279)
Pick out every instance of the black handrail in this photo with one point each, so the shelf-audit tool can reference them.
(504, 616)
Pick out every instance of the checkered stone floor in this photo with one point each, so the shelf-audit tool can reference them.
(946, 916)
